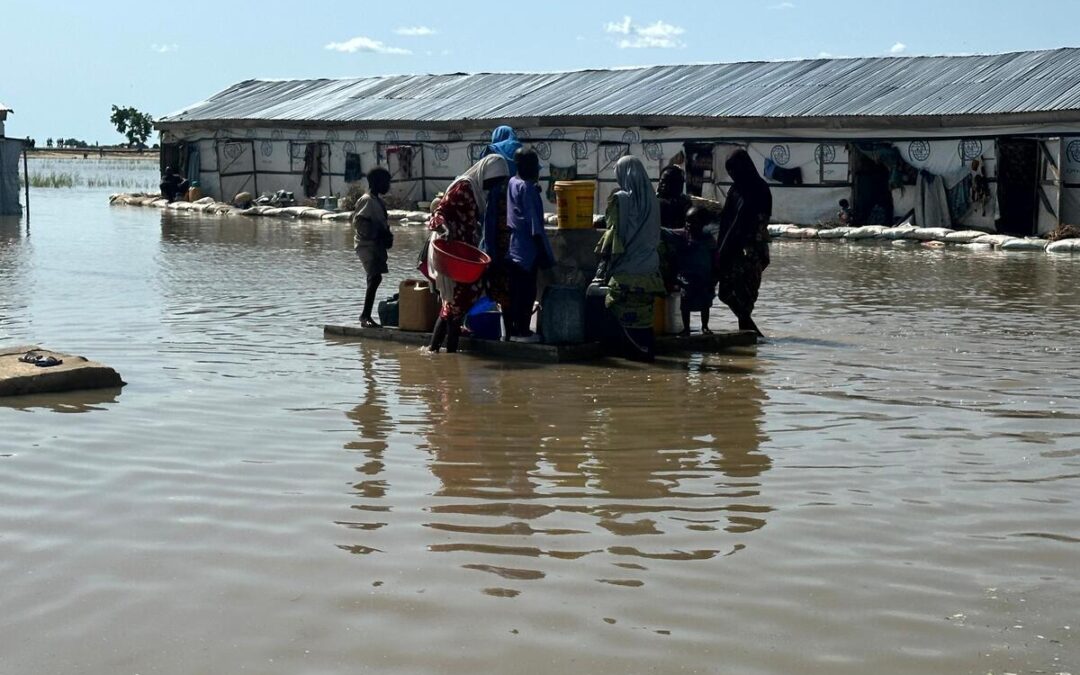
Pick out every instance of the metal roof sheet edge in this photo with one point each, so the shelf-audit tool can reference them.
(834, 91)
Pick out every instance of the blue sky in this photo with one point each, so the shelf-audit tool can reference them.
(66, 62)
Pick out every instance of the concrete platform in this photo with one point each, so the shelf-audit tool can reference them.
(75, 373)
(671, 344)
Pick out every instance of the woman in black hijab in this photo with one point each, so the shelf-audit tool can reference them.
(743, 252)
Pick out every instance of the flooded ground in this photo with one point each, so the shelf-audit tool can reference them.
(891, 485)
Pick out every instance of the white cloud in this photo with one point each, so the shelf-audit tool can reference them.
(164, 49)
(898, 48)
(659, 35)
(620, 27)
(365, 44)
(783, 5)
(415, 31)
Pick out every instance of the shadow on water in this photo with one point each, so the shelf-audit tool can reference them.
(534, 464)
(64, 402)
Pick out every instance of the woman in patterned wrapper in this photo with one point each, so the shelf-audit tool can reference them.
(630, 262)
(459, 217)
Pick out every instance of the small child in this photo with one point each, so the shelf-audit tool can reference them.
(372, 237)
(844, 215)
(697, 287)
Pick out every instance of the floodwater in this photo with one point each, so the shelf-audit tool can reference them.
(891, 485)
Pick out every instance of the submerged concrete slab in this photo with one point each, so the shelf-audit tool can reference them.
(75, 373)
(671, 344)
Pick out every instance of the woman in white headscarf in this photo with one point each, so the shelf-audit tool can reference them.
(630, 261)
(459, 217)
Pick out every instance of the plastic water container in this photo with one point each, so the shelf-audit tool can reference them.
(562, 317)
(667, 314)
(388, 312)
(574, 203)
(417, 306)
(597, 318)
(485, 325)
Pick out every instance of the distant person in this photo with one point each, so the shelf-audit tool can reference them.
(674, 202)
(458, 218)
(697, 286)
(173, 185)
(630, 262)
(743, 252)
(530, 249)
(504, 143)
(372, 237)
(845, 216)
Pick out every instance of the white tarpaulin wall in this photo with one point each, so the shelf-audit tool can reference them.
(1070, 180)
(267, 159)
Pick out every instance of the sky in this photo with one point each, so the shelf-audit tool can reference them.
(66, 62)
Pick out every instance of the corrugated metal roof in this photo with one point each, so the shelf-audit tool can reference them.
(1020, 82)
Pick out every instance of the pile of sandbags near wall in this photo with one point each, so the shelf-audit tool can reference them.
(928, 236)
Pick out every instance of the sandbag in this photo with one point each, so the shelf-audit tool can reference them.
(834, 232)
(992, 239)
(898, 232)
(776, 230)
(1064, 246)
(866, 232)
(975, 246)
(801, 233)
(931, 233)
(1025, 244)
(963, 236)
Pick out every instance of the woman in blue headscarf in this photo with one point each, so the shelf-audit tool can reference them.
(630, 261)
(504, 142)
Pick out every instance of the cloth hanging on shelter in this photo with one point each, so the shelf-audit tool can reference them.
(931, 201)
(960, 198)
(900, 172)
(193, 163)
(557, 173)
(353, 172)
(405, 156)
(312, 175)
(939, 157)
(781, 175)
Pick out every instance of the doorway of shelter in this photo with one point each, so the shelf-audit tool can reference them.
(699, 166)
(871, 194)
(1017, 185)
(170, 156)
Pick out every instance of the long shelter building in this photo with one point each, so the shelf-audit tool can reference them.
(984, 141)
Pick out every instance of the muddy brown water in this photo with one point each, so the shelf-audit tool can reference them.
(891, 485)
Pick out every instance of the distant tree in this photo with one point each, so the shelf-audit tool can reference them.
(60, 142)
(48, 143)
(134, 125)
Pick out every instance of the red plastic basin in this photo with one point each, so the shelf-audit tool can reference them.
(461, 262)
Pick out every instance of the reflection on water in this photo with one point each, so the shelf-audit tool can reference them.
(624, 465)
(888, 486)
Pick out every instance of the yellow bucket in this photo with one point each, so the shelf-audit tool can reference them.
(574, 203)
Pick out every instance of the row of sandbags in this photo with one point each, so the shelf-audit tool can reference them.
(941, 235)
(208, 205)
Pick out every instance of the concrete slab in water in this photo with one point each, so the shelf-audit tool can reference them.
(75, 373)
(670, 344)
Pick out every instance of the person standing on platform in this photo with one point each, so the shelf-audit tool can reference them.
(530, 249)
(372, 237)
